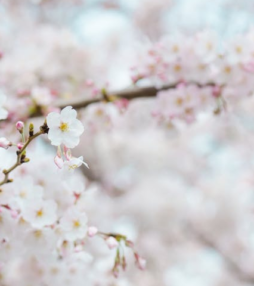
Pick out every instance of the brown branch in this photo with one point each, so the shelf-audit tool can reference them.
(130, 93)
(21, 155)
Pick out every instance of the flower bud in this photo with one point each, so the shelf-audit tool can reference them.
(92, 231)
(111, 242)
(4, 143)
(59, 162)
(20, 145)
(31, 129)
(20, 126)
(140, 262)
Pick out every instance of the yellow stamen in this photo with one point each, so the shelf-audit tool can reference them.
(38, 233)
(179, 101)
(76, 224)
(39, 213)
(227, 69)
(64, 127)
(73, 167)
(22, 194)
(175, 49)
(177, 68)
(239, 49)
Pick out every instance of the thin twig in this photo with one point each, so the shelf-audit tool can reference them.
(21, 156)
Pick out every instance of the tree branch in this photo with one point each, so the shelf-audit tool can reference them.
(130, 93)
(21, 155)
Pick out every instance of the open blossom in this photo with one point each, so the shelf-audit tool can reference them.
(3, 112)
(74, 224)
(64, 128)
(40, 213)
(74, 163)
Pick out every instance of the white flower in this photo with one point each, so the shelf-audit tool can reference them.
(40, 213)
(3, 112)
(64, 128)
(25, 191)
(74, 163)
(74, 224)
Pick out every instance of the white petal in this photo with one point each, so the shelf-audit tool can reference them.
(67, 114)
(55, 136)
(76, 128)
(70, 141)
(3, 113)
(2, 98)
(53, 119)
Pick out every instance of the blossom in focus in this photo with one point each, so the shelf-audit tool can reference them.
(3, 112)
(64, 128)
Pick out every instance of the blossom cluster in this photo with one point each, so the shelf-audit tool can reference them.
(202, 61)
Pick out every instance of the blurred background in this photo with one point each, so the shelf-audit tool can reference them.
(185, 194)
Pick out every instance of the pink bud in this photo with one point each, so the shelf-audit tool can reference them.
(129, 243)
(20, 145)
(4, 143)
(20, 126)
(140, 262)
(111, 242)
(59, 162)
(92, 231)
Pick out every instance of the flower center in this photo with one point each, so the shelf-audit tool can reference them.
(39, 213)
(73, 167)
(76, 224)
(227, 69)
(64, 127)
(179, 101)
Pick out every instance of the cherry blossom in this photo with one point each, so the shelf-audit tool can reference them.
(74, 224)
(40, 213)
(64, 128)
